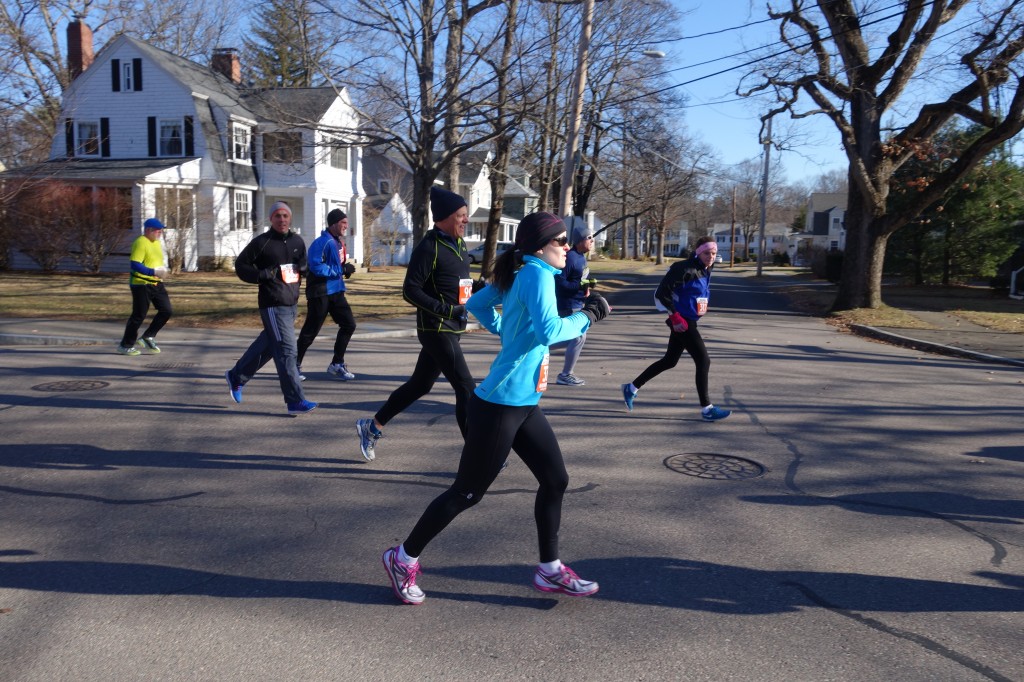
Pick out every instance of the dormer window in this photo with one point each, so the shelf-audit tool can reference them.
(241, 141)
(383, 187)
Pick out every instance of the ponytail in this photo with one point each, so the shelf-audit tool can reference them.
(505, 267)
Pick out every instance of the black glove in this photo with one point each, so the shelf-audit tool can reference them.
(458, 312)
(269, 274)
(348, 269)
(479, 284)
(596, 308)
(588, 283)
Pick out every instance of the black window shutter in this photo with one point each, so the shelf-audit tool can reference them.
(137, 74)
(69, 136)
(190, 146)
(115, 74)
(104, 137)
(151, 124)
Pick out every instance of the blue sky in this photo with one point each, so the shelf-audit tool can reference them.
(714, 114)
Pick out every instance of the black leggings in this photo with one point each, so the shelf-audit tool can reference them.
(441, 354)
(317, 309)
(692, 343)
(142, 295)
(494, 430)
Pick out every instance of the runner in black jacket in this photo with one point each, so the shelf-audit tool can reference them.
(438, 284)
(276, 260)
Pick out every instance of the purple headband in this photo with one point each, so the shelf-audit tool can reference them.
(706, 246)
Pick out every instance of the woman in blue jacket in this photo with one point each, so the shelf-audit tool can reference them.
(684, 293)
(504, 411)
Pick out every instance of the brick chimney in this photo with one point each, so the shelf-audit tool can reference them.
(225, 62)
(80, 54)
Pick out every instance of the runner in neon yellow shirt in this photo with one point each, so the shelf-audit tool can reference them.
(146, 284)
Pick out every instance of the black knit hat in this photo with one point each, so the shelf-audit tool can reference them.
(335, 216)
(443, 203)
(536, 230)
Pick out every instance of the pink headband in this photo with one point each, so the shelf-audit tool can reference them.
(706, 246)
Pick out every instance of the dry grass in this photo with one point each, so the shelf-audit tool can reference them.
(200, 299)
(976, 304)
(220, 299)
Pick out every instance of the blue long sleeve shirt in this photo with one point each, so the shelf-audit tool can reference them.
(528, 325)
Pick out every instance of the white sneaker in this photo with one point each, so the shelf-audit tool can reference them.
(403, 577)
(340, 371)
(565, 581)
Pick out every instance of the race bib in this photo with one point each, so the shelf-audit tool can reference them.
(289, 274)
(465, 290)
(542, 378)
(702, 306)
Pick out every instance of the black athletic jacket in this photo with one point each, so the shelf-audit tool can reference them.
(260, 263)
(432, 282)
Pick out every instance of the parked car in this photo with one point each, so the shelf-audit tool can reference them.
(476, 254)
(718, 259)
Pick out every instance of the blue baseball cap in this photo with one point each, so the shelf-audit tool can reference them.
(153, 224)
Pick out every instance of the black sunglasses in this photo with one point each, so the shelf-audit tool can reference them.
(561, 241)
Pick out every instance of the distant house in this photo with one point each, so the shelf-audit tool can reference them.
(776, 237)
(387, 184)
(192, 146)
(826, 220)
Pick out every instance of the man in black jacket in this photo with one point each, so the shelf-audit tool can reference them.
(276, 260)
(437, 283)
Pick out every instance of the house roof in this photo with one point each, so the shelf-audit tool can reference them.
(201, 79)
(514, 188)
(291, 106)
(98, 169)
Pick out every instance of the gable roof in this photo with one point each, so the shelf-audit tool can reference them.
(291, 106)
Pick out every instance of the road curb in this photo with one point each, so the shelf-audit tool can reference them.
(929, 346)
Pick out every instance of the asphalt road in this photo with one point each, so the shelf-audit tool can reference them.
(152, 529)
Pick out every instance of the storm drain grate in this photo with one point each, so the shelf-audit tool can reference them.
(171, 365)
(717, 467)
(69, 386)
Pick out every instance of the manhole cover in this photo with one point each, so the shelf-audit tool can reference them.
(718, 467)
(171, 365)
(68, 386)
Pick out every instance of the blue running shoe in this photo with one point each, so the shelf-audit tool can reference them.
(368, 437)
(301, 407)
(713, 414)
(627, 397)
(236, 389)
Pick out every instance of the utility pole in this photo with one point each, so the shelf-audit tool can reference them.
(732, 231)
(764, 199)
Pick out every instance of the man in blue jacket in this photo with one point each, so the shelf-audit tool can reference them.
(437, 283)
(325, 293)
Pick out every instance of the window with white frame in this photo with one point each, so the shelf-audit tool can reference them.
(171, 143)
(241, 139)
(243, 214)
(87, 134)
(338, 153)
(126, 76)
(383, 187)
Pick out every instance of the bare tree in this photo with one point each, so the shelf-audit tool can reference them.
(407, 106)
(858, 63)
